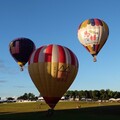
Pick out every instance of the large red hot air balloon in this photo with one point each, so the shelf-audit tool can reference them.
(93, 34)
(21, 49)
(52, 68)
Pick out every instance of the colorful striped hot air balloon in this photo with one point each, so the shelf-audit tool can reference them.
(92, 34)
(52, 68)
(21, 49)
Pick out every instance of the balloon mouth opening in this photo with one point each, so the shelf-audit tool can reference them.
(52, 101)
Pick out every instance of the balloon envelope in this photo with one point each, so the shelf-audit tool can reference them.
(52, 68)
(92, 34)
(21, 49)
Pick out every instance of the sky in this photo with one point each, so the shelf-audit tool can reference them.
(56, 22)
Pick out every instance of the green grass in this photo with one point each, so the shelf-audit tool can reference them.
(63, 110)
(23, 107)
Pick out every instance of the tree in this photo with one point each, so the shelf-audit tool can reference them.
(87, 94)
(109, 93)
(27, 96)
(10, 98)
(95, 94)
(90, 94)
(68, 94)
(116, 94)
(31, 96)
(102, 94)
(80, 93)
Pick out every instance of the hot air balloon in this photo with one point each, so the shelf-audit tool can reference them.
(21, 49)
(52, 68)
(93, 34)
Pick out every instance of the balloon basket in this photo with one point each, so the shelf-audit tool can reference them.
(21, 68)
(50, 112)
(94, 59)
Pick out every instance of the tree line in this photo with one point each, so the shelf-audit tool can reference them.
(79, 94)
(92, 94)
(28, 96)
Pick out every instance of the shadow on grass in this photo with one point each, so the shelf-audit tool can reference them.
(92, 113)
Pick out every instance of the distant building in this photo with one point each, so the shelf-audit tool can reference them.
(40, 98)
(63, 98)
(114, 100)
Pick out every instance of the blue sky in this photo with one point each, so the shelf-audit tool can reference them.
(56, 22)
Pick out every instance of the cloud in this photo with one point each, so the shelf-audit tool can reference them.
(3, 81)
(19, 86)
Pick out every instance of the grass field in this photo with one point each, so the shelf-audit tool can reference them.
(63, 110)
